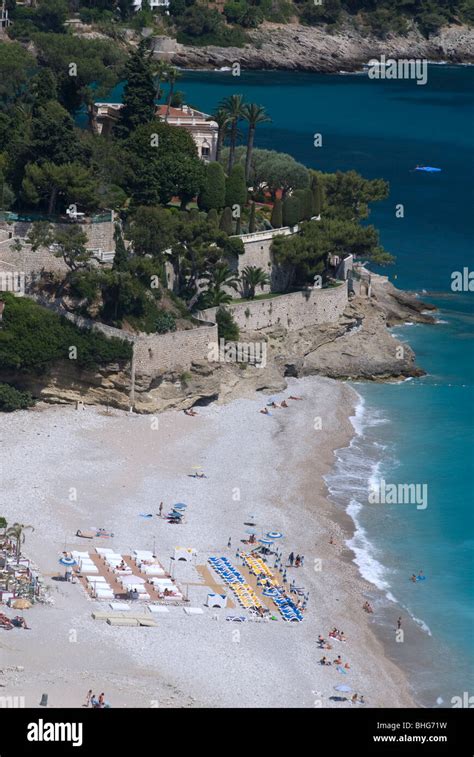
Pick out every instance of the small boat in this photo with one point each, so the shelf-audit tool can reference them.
(428, 169)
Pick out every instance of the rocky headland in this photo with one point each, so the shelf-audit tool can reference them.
(309, 48)
(359, 346)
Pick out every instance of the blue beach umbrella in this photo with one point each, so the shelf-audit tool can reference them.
(275, 535)
(265, 541)
(67, 561)
(180, 506)
(250, 531)
(343, 687)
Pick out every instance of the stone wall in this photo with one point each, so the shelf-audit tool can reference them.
(290, 311)
(100, 236)
(153, 354)
(257, 253)
(157, 353)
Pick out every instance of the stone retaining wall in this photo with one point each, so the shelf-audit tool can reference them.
(290, 311)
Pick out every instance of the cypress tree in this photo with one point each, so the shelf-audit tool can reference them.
(213, 217)
(138, 94)
(305, 198)
(252, 219)
(238, 226)
(317, 192)
(226, 221)
(212, 194)
(236, 187)
(121, 257)
(291, 210)
(276, 219)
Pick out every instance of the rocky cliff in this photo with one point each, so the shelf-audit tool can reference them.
(304, 48)
(359, 346)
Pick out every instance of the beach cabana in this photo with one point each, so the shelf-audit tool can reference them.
(184, 553)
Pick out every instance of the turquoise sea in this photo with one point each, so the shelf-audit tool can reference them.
(419, 431)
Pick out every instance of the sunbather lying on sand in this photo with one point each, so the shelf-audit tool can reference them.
(324, 661)
(294, 398)
(190, 412)
(265, 411)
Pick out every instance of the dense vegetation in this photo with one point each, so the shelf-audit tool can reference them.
(178, 218)
(198, 23)
(32, 338)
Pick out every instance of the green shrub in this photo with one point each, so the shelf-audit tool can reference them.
(165, 322)
(11, 399)
(226, 326)
(33, 338)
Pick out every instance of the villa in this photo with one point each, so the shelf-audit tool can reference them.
(202, 129)
(153, 4)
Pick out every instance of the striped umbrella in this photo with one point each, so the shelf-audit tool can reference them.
(67, 561)
(274, 535)
(265, 541)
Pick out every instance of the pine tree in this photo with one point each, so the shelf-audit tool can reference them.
(212, 194)
(121, 256)
(226, 221)
(236, 187)
(139, 93)
(252, 219)
(276, 219)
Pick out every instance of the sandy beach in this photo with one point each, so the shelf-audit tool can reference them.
(64, 469)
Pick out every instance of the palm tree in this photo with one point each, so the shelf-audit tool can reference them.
(221, 276)
(254, 114)
(172, 77)
(221, 117)
(234, 107)
(16, 532)
(215, 297)
(252, 277)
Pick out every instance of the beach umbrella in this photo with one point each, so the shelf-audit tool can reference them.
(196, 467)
(274, 535)
(21, 604)
(180, 506)
(133, 580)
(250, 531)
(67, 561)
(265, 541)
(343, 687)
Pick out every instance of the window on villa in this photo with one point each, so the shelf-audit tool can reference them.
(205, 152)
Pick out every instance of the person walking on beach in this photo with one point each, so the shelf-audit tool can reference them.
(229, 543)
(399, 623)
(88, 698)
(160, 509)
(297, 561)
(291, 559)
(302, 560)
(102, 700)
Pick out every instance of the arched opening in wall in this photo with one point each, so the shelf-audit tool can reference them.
(205, 150)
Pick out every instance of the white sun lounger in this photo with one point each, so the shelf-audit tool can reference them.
(96, 579)
(104, 551)
(143, 554)
(89, 569)
(157, 608)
